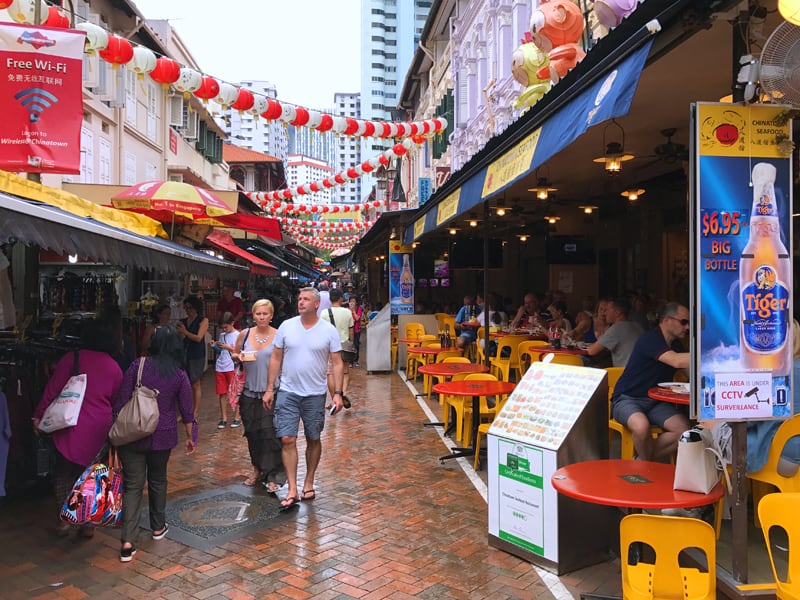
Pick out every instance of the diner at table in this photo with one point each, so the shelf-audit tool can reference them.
(655, 358)
(621, 335)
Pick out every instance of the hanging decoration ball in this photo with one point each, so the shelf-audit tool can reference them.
(352, 173)
(339, 124)
(362, 127)
(273, 111)
(352, 126)
(326, 123)
(383, 130)
(426, 127)
(384, 160)
(119, 51)
(188, 81)
(259, 105)
(369, 129)
(327, 183)
(335, 209)
(24, 11)
(326, 208)
(367, 166)
(408, 143)
(314, 186)
(143, 61)
(339, 178)
(96, 37)
(375, 162)
(418, 139)
(401, 130)
(301, 117)
(227, 95)
(6, 3)
(301, 190)
(287, 194)
(244, 100)
(209, 88)
(314, 119)
(439, 123)
(289, 113)
(290, 208)
(314, 209)
(393, 129)
(166, 72)
(56, 18)
(413, 128)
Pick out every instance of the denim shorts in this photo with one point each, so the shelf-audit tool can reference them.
(657, 412)
(291, 408)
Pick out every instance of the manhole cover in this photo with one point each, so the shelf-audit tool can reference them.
(212, 518)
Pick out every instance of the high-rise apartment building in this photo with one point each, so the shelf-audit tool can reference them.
(347, 148)
(305, 169)
(247, 131)
(390, 30)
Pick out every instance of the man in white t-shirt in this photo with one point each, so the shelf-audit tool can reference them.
(620, 337)
(341, 318)
(302, 347)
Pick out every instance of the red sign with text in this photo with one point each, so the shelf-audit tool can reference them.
(40, 90)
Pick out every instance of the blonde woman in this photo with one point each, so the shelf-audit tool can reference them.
(254, 348)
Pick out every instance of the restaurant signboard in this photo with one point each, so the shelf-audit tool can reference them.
(401, 278)
(741, 260)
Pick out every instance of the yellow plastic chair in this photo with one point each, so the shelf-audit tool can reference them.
(768, 476)
(463, 408)
(446, 402)
(480, 353)
(487, 413)
(413, 330)
(780, 511)
(443, 320)
(393, 346)
(665, 578)
(528, 353)
(483, 431)
(563, 359)
(417, 360)
(427, 380)
(626, 449)
(502, 366)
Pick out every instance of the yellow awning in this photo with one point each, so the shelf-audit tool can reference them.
(25, 188)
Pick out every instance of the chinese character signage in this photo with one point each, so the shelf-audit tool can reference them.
(742, 263)
(40, 131)
(401, 278)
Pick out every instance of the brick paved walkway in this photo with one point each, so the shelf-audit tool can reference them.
(389, 522)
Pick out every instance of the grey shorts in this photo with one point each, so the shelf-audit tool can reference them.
(657, 412)
(195, 368)
(291, 408)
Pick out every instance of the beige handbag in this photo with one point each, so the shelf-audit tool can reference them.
(139, 417)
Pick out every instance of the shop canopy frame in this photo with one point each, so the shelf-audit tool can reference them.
(35, 223)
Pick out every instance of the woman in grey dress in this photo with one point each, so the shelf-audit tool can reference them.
(254, 349)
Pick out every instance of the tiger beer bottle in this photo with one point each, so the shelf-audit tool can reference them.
(764, 271)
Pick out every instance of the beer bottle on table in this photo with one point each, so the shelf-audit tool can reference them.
(764, 270)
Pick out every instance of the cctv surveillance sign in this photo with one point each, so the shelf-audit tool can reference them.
(746, 395)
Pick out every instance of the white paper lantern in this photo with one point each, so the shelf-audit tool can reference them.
(188, 81)
(289, 113)
(24, 11)
(227, 94)
(260, 105)
(143, 61)
(314, 119)
(96, 37)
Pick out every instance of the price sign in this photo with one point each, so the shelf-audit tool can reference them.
(715, 227)
(721, 223)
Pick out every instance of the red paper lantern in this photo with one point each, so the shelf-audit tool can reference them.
(426, 127)
(118, 51)
(383, 160)
(338, 178)
(55, 16)
(166, 72)
(314, 186)
(401, 130)
(209, 88)
(244, 101)
(327, 183)
(352, 126)
(301, 117)
(326, 123)
(287, 194)
(6, 3)
(273, 111)
(352, 173)
(418, 139)
(314, 209)
(366, 166)
(399, 149)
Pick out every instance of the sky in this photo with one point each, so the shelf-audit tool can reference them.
(310, 49)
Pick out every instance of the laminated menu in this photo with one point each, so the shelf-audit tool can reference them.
(546, 403)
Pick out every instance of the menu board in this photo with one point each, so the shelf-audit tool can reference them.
(544, 406)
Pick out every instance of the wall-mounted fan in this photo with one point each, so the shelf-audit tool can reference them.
(778, 69)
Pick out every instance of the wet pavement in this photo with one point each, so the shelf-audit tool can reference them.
(389, 522)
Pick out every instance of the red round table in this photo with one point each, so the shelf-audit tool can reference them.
(667, 395)
(563, 350)
(628, 483)
(448, 370)
(474, 389)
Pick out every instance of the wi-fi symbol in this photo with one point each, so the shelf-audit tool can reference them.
(35, 100)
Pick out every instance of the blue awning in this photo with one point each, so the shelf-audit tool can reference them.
(608, 97)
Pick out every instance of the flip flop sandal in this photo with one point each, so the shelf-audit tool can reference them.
(292, 503)
(307, 495)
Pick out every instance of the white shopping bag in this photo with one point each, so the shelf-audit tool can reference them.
(64, 410)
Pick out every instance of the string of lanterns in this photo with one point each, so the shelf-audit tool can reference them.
(279, 208)
(141, 60)
(321, 226)
(396, 151)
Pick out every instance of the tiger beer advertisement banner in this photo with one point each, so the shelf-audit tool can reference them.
(401, 278)
(741, 259)
(40, 90)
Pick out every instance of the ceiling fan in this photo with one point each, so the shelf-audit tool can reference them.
(669, 152)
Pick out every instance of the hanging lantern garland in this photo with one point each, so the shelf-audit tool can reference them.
(276, 196)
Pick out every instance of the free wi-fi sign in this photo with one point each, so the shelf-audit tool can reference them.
(35, 101)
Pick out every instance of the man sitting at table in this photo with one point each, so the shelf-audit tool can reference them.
(620, 337)
(528, 315)
(656, 356)
(466, 314)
